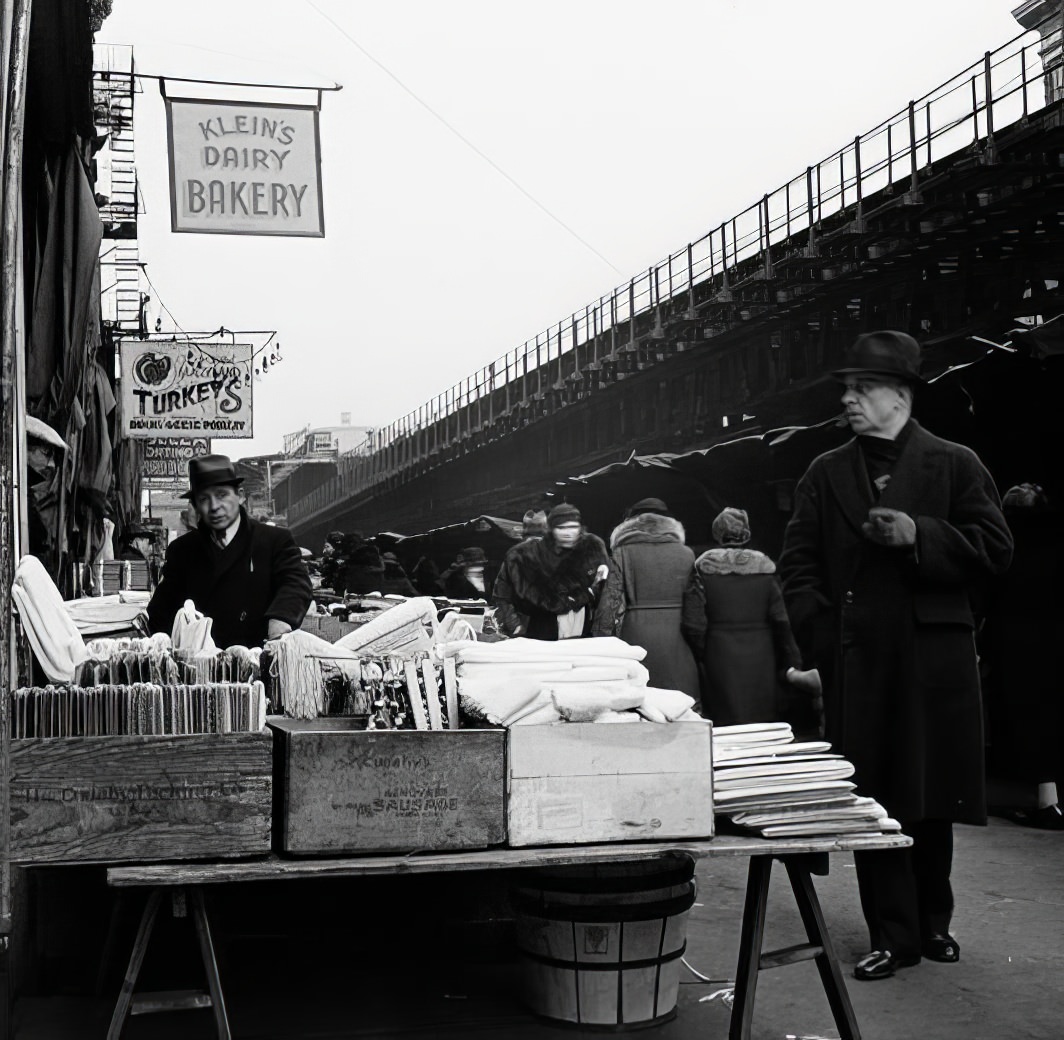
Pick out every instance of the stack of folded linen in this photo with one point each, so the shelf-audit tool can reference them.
(531, 681)
(764, 781)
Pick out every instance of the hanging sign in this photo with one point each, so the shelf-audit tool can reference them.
(244, 168)
(181, 390)
(164, 465)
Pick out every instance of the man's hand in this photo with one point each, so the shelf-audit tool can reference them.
(889, 527)
(275, 629)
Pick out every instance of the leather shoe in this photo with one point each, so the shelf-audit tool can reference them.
(881, 964)
(943, 948)
(1048, 818)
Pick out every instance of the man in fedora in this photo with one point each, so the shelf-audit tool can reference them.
(248, 577)
(892, 534)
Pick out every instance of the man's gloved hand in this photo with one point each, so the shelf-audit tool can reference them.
(275, 629)
(889, 527)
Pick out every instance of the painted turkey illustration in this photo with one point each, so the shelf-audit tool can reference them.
(151, 369)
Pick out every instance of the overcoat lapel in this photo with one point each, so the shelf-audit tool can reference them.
(220, 564)
(849, 482)
(914, 475)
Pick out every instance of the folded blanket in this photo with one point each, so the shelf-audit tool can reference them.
(543, 649)
(672, 704)
(585, 702)
(406, 627)
(53, 636)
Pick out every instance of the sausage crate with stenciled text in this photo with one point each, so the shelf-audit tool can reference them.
(340, 788)
(579, 783)
(141, 798)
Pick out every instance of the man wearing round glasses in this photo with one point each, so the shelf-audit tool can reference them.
(891, 536)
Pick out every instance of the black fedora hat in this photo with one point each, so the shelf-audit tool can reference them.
(207, 471)
(886, 353)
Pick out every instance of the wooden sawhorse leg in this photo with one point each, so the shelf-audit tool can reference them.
(177, 1001)
(818, 947)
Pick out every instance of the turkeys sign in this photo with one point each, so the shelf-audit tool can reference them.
(244, 168)
(172, 389)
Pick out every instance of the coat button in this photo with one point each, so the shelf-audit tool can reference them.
(848, 597)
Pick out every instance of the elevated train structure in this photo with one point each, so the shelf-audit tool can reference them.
(944, 220)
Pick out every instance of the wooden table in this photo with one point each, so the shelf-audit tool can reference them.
(801, 858)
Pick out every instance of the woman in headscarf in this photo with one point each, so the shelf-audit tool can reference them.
(734, 615)
(643, 598)
(551, 584)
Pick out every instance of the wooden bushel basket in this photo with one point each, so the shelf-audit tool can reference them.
(601, 944)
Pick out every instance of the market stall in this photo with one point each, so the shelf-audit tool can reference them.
(411, 735)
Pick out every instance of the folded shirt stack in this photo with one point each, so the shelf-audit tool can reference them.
(765, 781)
(530, 681)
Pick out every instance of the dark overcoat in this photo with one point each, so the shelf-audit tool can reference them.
(541, 580)
(734, 613)
(642, 602)
(892, 629)
(1021, 643)
(261, 575)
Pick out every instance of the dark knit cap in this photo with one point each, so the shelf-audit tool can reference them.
(563, 513)
(731, 527)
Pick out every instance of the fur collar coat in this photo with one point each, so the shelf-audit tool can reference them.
(646, 528)
(734, 560)
(541, 580)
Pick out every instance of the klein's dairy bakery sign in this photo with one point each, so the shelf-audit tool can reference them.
(172, 389)
(244, 168)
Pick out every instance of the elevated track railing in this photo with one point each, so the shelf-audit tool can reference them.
(1000, 89)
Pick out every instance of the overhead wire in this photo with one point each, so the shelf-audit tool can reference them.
(461, 137)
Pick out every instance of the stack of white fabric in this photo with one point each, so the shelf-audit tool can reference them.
(532, 681)
(765, 781)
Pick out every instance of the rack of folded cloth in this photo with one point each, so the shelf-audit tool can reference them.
(766, 782)
(385, 670)
(531, 681)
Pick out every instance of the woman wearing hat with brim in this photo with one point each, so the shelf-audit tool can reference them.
(551, 584)
(642, 602)
(464, 579)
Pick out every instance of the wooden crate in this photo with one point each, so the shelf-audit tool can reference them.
(107, 799)
(346, 789)
(578, 783)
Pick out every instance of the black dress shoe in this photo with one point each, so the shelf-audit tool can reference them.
(943, 948)
(1048, 818)
(881, 964)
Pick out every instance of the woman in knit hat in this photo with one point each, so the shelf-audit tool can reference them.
(550, 585)
(643, 599)
(735, 618)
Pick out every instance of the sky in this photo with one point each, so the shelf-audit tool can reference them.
(629, 128)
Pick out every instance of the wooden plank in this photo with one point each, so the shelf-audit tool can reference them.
(432, 694)
(381, 790)
(99, 799)
(568, 810)
(450, 686)
(170, 1000)
(276, 868)
(586, 748)
(413, 690)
